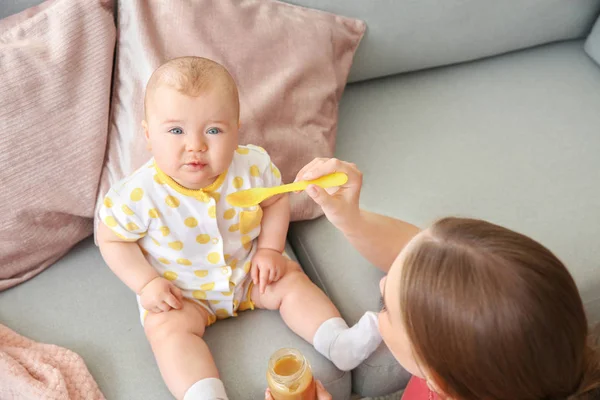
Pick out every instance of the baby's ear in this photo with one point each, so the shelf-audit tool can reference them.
(146, 134)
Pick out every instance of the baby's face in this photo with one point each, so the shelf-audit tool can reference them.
(192, 138)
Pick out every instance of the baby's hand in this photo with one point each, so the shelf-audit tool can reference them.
(160, 295)
(268, 266)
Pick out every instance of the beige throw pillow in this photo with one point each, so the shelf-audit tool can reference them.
(290, 63)
(56, 63)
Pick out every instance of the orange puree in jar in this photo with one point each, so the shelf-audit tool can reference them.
(290, 377)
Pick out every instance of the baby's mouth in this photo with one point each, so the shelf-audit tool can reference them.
(195, 165)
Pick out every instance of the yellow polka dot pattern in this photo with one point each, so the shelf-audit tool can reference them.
(199, 294)
(201, 273)
(203, 197)
(191, 222)
(212, 212)
(176, 245)
(238, 182)
(215, 301)
(153, 213)
(213, 257)
(136, 194)
(242, 150)
(246, 242)
(131, 226)
(110, 221)
(222, 313)
(229, 214)
(250, 220)
(203, 238)
(172, 201)
(212, 319)
(170, 275)
(127, 210)
(121, 236)
(275, 172)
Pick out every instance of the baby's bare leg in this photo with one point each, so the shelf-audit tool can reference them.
(303, 306)
(176, 339)
(310, 314)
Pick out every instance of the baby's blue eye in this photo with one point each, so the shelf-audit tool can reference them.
(213, 131)
(176, 131)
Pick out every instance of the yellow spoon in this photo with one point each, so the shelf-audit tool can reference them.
(252, 197)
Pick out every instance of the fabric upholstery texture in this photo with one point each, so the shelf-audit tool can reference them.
(97, 317)
(407, 35)
(592, 44)
(511, 139)
(290, 64)
(55, 62)
(31, 370)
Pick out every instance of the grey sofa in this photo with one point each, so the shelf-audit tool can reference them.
(479, 108)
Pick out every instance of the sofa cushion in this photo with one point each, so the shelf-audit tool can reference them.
(290, 64)
(408, 35)
(56, 68)
(81, 305)
(10, 7)
(512, 139)
(592, 44)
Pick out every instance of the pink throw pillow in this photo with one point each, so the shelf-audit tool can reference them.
(290, 63)
(56, 64)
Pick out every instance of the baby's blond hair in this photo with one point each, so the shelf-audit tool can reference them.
(191, 76)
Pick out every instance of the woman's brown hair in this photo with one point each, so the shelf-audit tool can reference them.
(494, 315)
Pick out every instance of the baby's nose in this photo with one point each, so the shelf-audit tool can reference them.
(196, 143)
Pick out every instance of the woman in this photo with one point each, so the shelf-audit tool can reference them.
(472, 310)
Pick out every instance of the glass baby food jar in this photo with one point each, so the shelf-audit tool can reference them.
(289, 376)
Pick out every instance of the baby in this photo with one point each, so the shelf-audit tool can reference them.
(169, 234)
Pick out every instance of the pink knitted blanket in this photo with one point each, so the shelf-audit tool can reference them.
(31, 370)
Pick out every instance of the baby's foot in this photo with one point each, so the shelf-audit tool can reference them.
(348, 347)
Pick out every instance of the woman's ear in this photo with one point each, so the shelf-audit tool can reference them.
(147, 134)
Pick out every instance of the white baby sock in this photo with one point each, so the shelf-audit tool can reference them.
(348, 347)
(206, 389)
